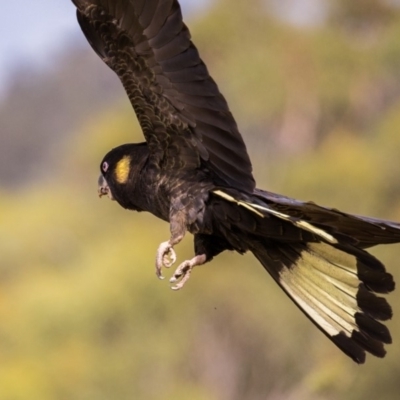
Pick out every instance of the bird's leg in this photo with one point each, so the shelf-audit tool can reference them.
(166, 255)
(182, 273)
(205, 247)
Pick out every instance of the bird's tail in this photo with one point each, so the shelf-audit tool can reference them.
(362, 231)
(316, 255)
(334, 286)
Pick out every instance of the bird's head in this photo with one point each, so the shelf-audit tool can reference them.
(118, 167)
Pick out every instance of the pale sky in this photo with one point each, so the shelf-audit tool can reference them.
(33, 31)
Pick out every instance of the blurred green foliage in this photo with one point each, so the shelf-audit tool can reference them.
(82, 314)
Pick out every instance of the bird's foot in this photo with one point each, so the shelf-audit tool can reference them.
(166, 256)
(182, 273)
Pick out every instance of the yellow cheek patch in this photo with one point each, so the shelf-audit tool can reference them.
(122, 169)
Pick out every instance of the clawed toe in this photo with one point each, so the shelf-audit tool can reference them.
(182, 273)
(169, 258)
(166, 256)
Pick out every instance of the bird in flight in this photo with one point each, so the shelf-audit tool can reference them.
(194, 172)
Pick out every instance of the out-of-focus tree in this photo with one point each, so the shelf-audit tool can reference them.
(36, 117)
(364, 15)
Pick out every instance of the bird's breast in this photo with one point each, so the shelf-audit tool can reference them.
(163, 193)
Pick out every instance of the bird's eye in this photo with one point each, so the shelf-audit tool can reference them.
(104, 166)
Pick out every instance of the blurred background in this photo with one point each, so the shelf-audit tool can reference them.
(315, 88)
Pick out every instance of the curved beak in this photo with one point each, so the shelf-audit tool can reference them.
(103, 188)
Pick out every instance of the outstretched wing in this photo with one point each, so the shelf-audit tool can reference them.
(185, 119)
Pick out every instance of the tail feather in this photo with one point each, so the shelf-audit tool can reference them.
(317, 256)
(334, 288)
(361, 231)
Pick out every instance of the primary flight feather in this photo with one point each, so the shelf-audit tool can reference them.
(194, 172)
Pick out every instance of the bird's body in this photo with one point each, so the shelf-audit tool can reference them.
(195, 173)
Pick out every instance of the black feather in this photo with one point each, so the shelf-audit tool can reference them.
(146, 44)
(194, 172)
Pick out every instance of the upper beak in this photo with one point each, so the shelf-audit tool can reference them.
(103, 188)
